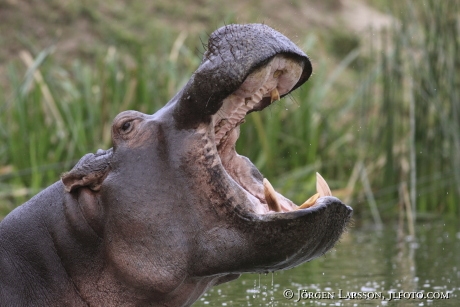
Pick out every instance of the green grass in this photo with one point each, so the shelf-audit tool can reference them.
(382, 124)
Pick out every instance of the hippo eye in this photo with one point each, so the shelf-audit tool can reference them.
(126, 126)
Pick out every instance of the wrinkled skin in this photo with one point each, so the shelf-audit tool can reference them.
(172, 209)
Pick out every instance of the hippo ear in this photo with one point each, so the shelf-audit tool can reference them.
(89, 172)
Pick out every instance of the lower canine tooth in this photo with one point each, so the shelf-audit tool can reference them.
(321, 186)
(270, 196)
(309, 202)
(275, 95)
(323, 190)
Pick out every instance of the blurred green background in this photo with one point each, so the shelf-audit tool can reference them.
(379, 118)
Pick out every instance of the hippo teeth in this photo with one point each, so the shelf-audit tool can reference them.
(273, 201)
(274, 95)
(321, 186)
(270, 196)
(323, 190)
(309, 202)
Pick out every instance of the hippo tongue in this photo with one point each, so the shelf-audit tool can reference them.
(261, 88)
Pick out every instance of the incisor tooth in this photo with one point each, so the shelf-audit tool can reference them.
(309, 202)
(275, 95)
(321, 186)
(270, 196)
(323, 190)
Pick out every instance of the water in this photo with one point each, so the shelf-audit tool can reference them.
(366, 263)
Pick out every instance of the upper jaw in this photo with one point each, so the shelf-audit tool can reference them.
(268, 82)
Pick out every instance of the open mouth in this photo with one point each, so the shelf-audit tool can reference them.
(262, 87)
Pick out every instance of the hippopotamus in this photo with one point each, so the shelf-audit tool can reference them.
(172, 209)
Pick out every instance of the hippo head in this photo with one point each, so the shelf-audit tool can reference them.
(177, 209)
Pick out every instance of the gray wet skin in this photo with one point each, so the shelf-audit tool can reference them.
(172, 209)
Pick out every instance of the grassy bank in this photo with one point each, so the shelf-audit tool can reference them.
(382, 125)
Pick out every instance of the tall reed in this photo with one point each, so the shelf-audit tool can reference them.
(420, 103)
